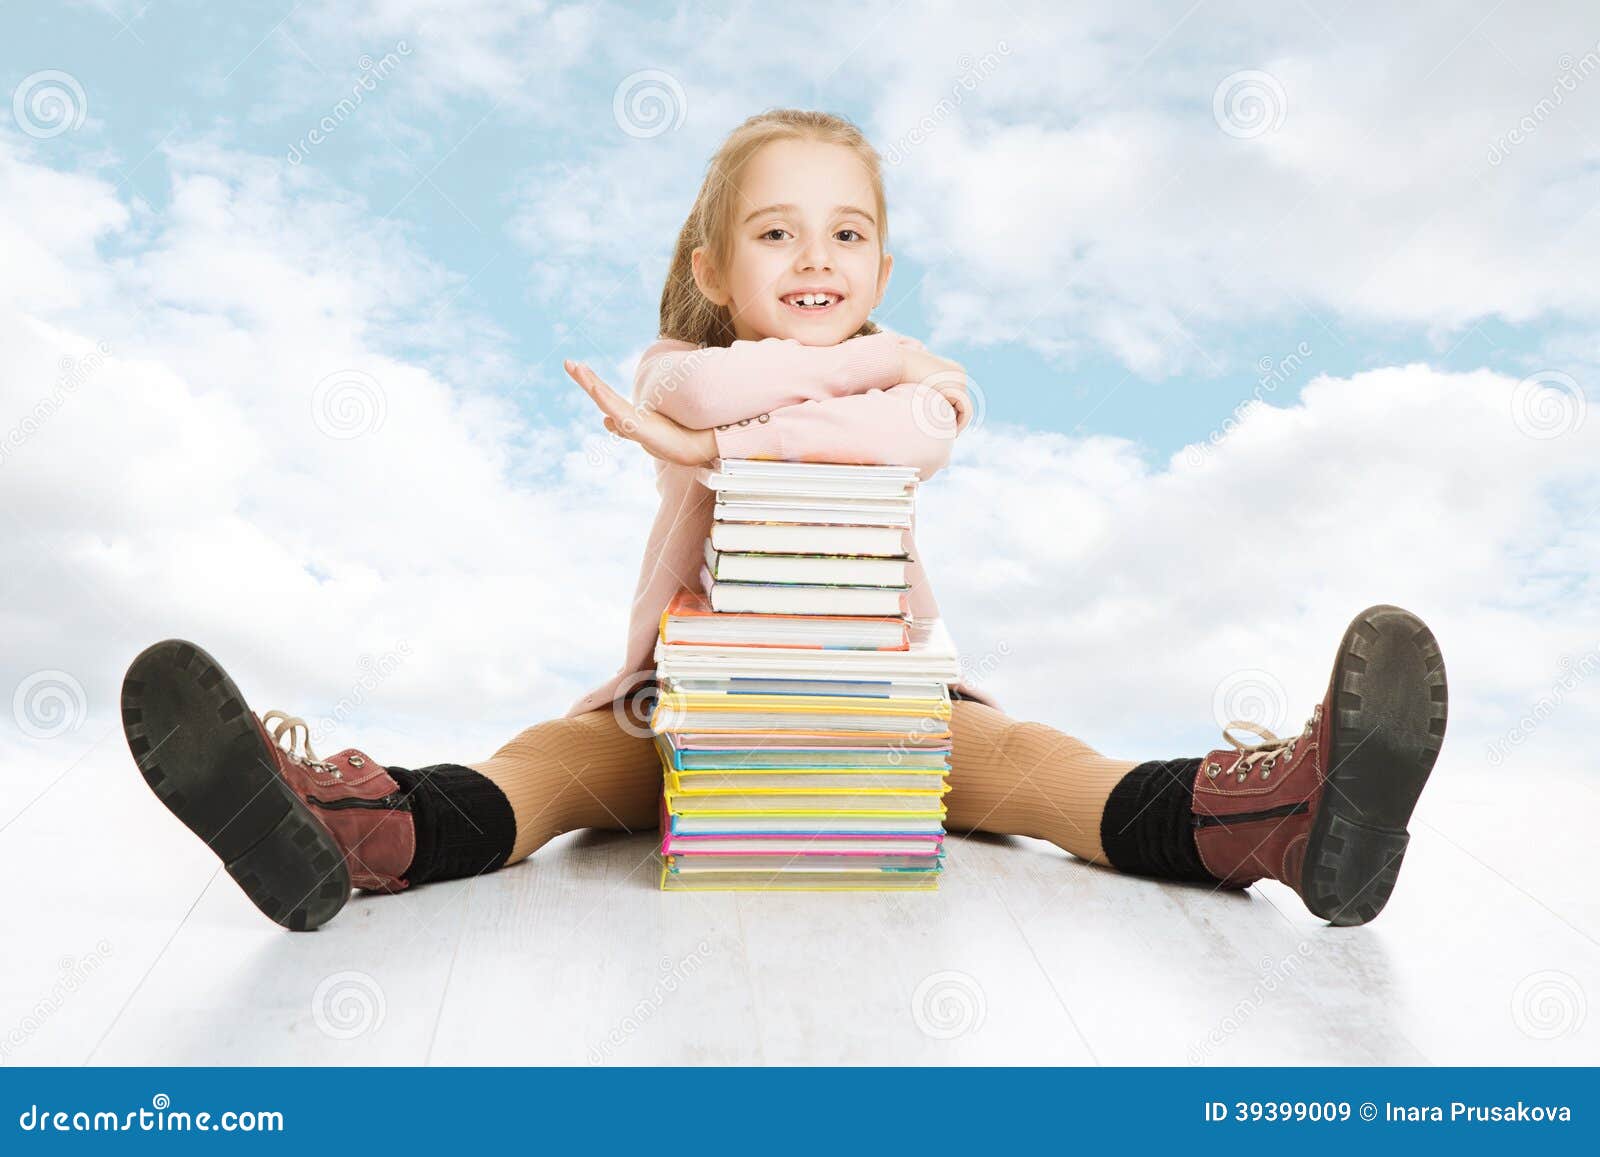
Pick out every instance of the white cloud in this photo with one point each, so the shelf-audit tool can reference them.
(184, 483)
(1117, 614)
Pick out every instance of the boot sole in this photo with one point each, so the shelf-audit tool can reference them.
(197, 746)
(1389, 705)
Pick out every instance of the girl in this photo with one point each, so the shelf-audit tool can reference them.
(767, 351)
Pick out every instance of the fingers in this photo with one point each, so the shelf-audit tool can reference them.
(610, 402)
(959, 409)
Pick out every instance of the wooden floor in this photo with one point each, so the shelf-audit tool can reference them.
(126, 945)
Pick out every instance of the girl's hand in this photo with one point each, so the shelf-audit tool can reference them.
(658, 434)
(947, 377)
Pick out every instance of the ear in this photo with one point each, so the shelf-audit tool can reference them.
(883, 278)
(706, 277)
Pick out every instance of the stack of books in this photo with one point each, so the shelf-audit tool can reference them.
(803, 715)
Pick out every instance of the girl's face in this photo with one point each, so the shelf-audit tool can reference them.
(804, 224)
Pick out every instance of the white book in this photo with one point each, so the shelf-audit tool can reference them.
(770, 468)
(795, 599)
(931, 658)
(807, 538)
(775, 508)
(844, 485)
(814, 569)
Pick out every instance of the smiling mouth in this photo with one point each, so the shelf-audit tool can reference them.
(812, 302)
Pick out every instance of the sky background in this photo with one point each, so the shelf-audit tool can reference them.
(1273, 311)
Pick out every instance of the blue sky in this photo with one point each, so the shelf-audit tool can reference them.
(1114, 215)
(450, 161)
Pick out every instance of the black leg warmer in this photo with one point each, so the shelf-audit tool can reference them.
(1146, 829)
(465, 825)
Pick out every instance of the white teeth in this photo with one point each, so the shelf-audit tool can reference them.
(813, 299)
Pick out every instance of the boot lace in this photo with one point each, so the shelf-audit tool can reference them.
(293, 737)
(1265, 755)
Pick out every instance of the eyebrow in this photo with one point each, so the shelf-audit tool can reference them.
(838, 210)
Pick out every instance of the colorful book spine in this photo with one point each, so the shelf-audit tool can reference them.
(821, 777)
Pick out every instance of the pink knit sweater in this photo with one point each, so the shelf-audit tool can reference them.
(773, 398)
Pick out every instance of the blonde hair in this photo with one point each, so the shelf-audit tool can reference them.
(686, 313)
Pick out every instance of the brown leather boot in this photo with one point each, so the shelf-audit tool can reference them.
(294, 831)
(1326, 811)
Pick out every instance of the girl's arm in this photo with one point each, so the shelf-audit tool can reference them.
(905, 425)
(705, 387)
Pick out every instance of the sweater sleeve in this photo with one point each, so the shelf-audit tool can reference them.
(702, 387)
(905, 425)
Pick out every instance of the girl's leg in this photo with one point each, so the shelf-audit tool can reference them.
(1324, 811)
(582, 771)
(1028, 779)
(297, 831)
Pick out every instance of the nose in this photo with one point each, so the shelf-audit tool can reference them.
(815, 255)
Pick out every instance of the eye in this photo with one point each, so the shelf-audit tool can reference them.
(768, 234)
(857, 235)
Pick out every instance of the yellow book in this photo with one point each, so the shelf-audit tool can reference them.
(798, 882)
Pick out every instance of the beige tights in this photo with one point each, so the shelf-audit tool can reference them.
(1007, 777)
